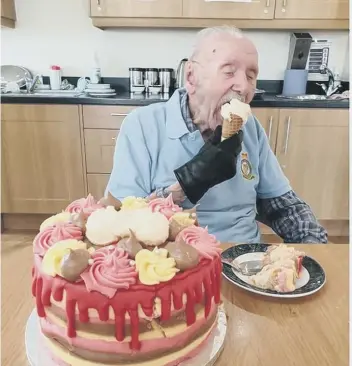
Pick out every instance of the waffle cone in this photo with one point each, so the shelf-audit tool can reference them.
(231, 126)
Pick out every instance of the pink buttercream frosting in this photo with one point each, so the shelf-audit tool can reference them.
(87, 205)
(205, 243)
(166, 206)
(52, 234)
(111, 270)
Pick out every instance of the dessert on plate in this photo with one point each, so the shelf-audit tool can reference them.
(135, 282)
(282, 267)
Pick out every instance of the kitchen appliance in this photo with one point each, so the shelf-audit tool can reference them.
(152, 76)
(137, 76)
(180, 74)
(165, 76)
(299, 51)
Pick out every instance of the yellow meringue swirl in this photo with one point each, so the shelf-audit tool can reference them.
(133, 203)
(184, 218)
(52, 260)
(52, 220)
(155, 267)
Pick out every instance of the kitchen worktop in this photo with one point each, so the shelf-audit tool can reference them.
(124, 98)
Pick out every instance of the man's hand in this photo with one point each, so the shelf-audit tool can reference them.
(215, 163)
(175, 189)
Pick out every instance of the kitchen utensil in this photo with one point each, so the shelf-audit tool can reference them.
(12, 73)
(180, 74)
(102, 94)
(247, 268)
(152, 76)
(259, 91)
(299, 51)
(312, 277)
(98, 86)
(55, 77)
(165, 76)
(155, 89)
(137, 89)
(95, 75)
(295, 82)
(136, 76)
(82, 84)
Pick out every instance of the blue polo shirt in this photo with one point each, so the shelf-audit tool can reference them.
(154, 140)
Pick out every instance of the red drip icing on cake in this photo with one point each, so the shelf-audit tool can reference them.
(207, 273)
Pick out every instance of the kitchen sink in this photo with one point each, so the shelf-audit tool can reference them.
(305, 97)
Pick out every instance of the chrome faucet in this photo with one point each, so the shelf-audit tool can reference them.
(333, 86)
(30, 83)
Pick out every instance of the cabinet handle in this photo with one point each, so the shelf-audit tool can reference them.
(267, 3)
(113, 138)
(118, 114)
(270, 128)
(284, 3)
(287, 134)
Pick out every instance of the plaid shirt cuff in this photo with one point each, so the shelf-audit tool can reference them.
(291, 218)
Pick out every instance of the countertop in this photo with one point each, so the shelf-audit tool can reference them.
(266, 101)
(261, 331)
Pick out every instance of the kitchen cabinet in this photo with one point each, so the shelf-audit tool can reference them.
(136, 8)
(41, 156)
(268, 117)
(312, 148)
(312, 9)
(259, 14)
(260, 9)
(8, 13)
(101, 127)
(100, 146)
(106, 117)
(97, 184)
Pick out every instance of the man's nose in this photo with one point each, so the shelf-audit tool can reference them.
(239, 82)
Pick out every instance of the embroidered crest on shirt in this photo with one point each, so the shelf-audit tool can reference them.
(246, 167)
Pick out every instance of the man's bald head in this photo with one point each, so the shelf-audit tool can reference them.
(208, 39)
(224, 62)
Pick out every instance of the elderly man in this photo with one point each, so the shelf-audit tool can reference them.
(237, 182)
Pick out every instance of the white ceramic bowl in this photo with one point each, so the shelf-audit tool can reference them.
(138, 89)
(154, 89)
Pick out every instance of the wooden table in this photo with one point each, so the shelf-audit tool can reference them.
(262, 331)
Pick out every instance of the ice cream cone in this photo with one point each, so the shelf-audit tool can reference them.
(231, 126)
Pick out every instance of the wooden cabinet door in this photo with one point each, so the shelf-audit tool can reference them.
(312, 148)
(97, 184)
(269, 119)
(8, 9)
(136, 8)
(41, 155)
(105, 116)
(259, 9)
(312, 9)
(100, 147)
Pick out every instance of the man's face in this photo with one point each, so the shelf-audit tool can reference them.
(227, 68)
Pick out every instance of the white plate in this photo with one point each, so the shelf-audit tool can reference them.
(210, 351)
(95, 91)
(101, 94)
(98, 86)
(312, 277)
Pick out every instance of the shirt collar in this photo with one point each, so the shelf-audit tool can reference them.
(178, 117)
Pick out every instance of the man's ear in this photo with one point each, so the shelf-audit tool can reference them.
(190, 77)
